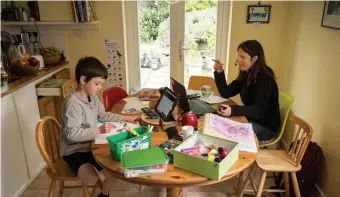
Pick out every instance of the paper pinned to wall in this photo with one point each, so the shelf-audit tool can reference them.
(113, 62)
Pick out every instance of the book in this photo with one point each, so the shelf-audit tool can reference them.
(147, 94)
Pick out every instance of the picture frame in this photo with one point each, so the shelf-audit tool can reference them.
(331, 15)
(258, 13)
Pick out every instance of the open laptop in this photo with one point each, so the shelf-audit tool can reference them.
(197, 106)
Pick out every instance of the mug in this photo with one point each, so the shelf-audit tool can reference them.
(206, 90)
(187, 131)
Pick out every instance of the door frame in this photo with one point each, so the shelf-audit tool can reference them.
(177, 13)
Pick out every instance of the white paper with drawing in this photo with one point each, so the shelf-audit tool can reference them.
(117, 127)
(225, 128)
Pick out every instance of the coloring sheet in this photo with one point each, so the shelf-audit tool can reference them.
(113, 62)
(117, 127)
(225, 128)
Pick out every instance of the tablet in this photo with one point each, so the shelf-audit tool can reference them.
(166, 104)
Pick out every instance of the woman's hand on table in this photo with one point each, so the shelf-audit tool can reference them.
(225, 110)
(132, 119)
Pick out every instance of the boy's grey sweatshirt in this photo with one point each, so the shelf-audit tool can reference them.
(79, 118)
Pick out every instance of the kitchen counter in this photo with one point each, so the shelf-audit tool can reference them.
(47, 71)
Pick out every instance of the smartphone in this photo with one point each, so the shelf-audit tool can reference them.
(194, 96)
(149, 113)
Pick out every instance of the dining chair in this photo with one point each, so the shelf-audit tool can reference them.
(286, 101)
(113, 95)
(196, 82)
(286, 161)
(47, 136)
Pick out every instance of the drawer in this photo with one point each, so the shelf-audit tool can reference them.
(56, 87)
(64, 74)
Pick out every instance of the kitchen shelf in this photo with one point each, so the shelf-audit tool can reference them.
(53, 25)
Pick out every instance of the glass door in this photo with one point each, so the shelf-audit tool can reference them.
(154, 43)
(199, 38)
(177, 39)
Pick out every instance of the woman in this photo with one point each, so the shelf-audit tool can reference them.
(256, 84)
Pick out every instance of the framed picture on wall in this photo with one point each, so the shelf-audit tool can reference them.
(258, 13)
(331, 15)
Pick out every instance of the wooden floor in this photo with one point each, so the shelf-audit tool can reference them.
(39, 188)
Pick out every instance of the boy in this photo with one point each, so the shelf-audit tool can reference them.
(81, 111)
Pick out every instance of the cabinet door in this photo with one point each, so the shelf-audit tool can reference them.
(28, 114)
(13, 164)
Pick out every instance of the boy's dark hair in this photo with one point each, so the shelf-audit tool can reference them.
(90, 67)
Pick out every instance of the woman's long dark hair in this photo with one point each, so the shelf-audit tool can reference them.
(254, 48)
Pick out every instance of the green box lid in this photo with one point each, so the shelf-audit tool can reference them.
(144, 157)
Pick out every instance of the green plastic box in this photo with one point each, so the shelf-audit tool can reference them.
(202, 166)
(125, 141)
(144, 162)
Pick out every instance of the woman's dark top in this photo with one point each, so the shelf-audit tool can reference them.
(260, 99)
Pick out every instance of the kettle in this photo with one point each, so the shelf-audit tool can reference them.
(189, 118)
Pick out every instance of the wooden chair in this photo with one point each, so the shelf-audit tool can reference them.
(47, 136)
(286, 161)
(286, 101)
(196, 82)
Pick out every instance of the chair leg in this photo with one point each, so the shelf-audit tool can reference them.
(240, 177)
(140, 188)
(61, 188)
(286, 182)
(98, 184)
(253, 185)
(85, 190)
(51, 190)
(295, 185)
(247, 180)
(263, 179)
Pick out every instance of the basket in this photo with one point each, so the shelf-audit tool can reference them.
(51, 60)
(125, 141)
(24, 70)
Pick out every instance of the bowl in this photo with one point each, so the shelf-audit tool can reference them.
(51, 60)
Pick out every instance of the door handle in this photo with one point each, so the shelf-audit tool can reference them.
(181, 50)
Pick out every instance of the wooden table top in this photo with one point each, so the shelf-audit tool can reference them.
(174, 177)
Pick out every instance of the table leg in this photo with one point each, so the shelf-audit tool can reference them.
(174, 192)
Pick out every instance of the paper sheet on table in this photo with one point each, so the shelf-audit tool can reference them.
(117, 127)
(225, 128)
(213, 99)
(134, 105)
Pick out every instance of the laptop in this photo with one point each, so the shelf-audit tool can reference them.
(197, 106)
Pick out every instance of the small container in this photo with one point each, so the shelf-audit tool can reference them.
(144, 162)
(125, 141)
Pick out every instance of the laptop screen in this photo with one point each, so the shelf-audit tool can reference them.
(181, 93)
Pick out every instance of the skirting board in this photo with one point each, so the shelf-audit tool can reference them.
(21, 191)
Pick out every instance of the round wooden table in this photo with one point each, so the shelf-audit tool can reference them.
(174, 179)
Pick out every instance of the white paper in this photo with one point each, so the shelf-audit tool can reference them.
(113, 62)
(225, 128)
(134, 105)
(117, 127)
(213, 99)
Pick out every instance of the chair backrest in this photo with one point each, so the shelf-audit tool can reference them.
(112, 96)
(196, 82)
(47, 136)
(303, 134)
(286, 101)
